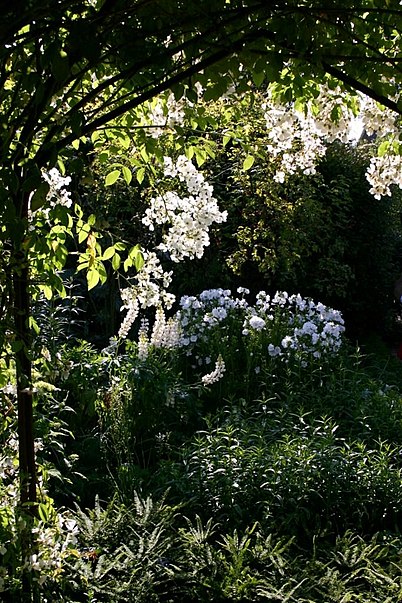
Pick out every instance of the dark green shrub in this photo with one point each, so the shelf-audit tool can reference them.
(323, 236)
(292, 473)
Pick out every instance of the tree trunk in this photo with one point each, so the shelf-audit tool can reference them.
(24, 389)
(26, 452)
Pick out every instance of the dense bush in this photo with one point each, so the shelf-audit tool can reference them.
(295, 473)
(323, 236)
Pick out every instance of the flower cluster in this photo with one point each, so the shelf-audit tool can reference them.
(165, 334)
(186, 223)
(216, 374)
(305, 327)
(382, 173)
(290, 324)
(298, 138)
(198, 315)
(186, 219)
(375, 119)
(216, 324)
(296, 141)
(165, 115)
(58, 193)
(150, 289)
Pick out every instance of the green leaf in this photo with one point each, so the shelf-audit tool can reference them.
(17, 345)
(248, 162)
(140, 174)
(34, 325)
(258, 78)
(116, 261)
(112, 177)
(33, 180)
(200, 156)
(135, 255)
(139, 261)
(83, 233)
(95, 135)
(103, 156)
(190, 152)
(108, 253)
(43, 511)
(92, 278)
(127, 175)
(383, 148)
(60, 66)
(144, 154)
(39, 196)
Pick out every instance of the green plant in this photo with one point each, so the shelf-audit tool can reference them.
(123, 551)
(145, 410)
(296, 474)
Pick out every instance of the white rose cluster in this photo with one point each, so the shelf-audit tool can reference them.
(165, 115)
(55, 540)
(382, 173)
(298, 138)
(186, 219)
(295, 140)
(186, 223)
(58, 192)
(375, 119)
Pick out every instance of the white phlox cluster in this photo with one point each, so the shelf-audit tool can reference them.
(311, 328)
(198, 315)
(283, 326)
(186, 220)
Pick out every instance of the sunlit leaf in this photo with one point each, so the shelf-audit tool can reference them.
(112, 177)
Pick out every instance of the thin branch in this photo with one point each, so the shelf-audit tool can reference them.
(357, 85)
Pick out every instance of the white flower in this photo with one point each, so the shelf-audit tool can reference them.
(274, 350)
(216, 374)
(187, 219)
(257, 323)
(287, 342)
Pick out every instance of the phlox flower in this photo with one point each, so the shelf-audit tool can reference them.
(257, 323)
